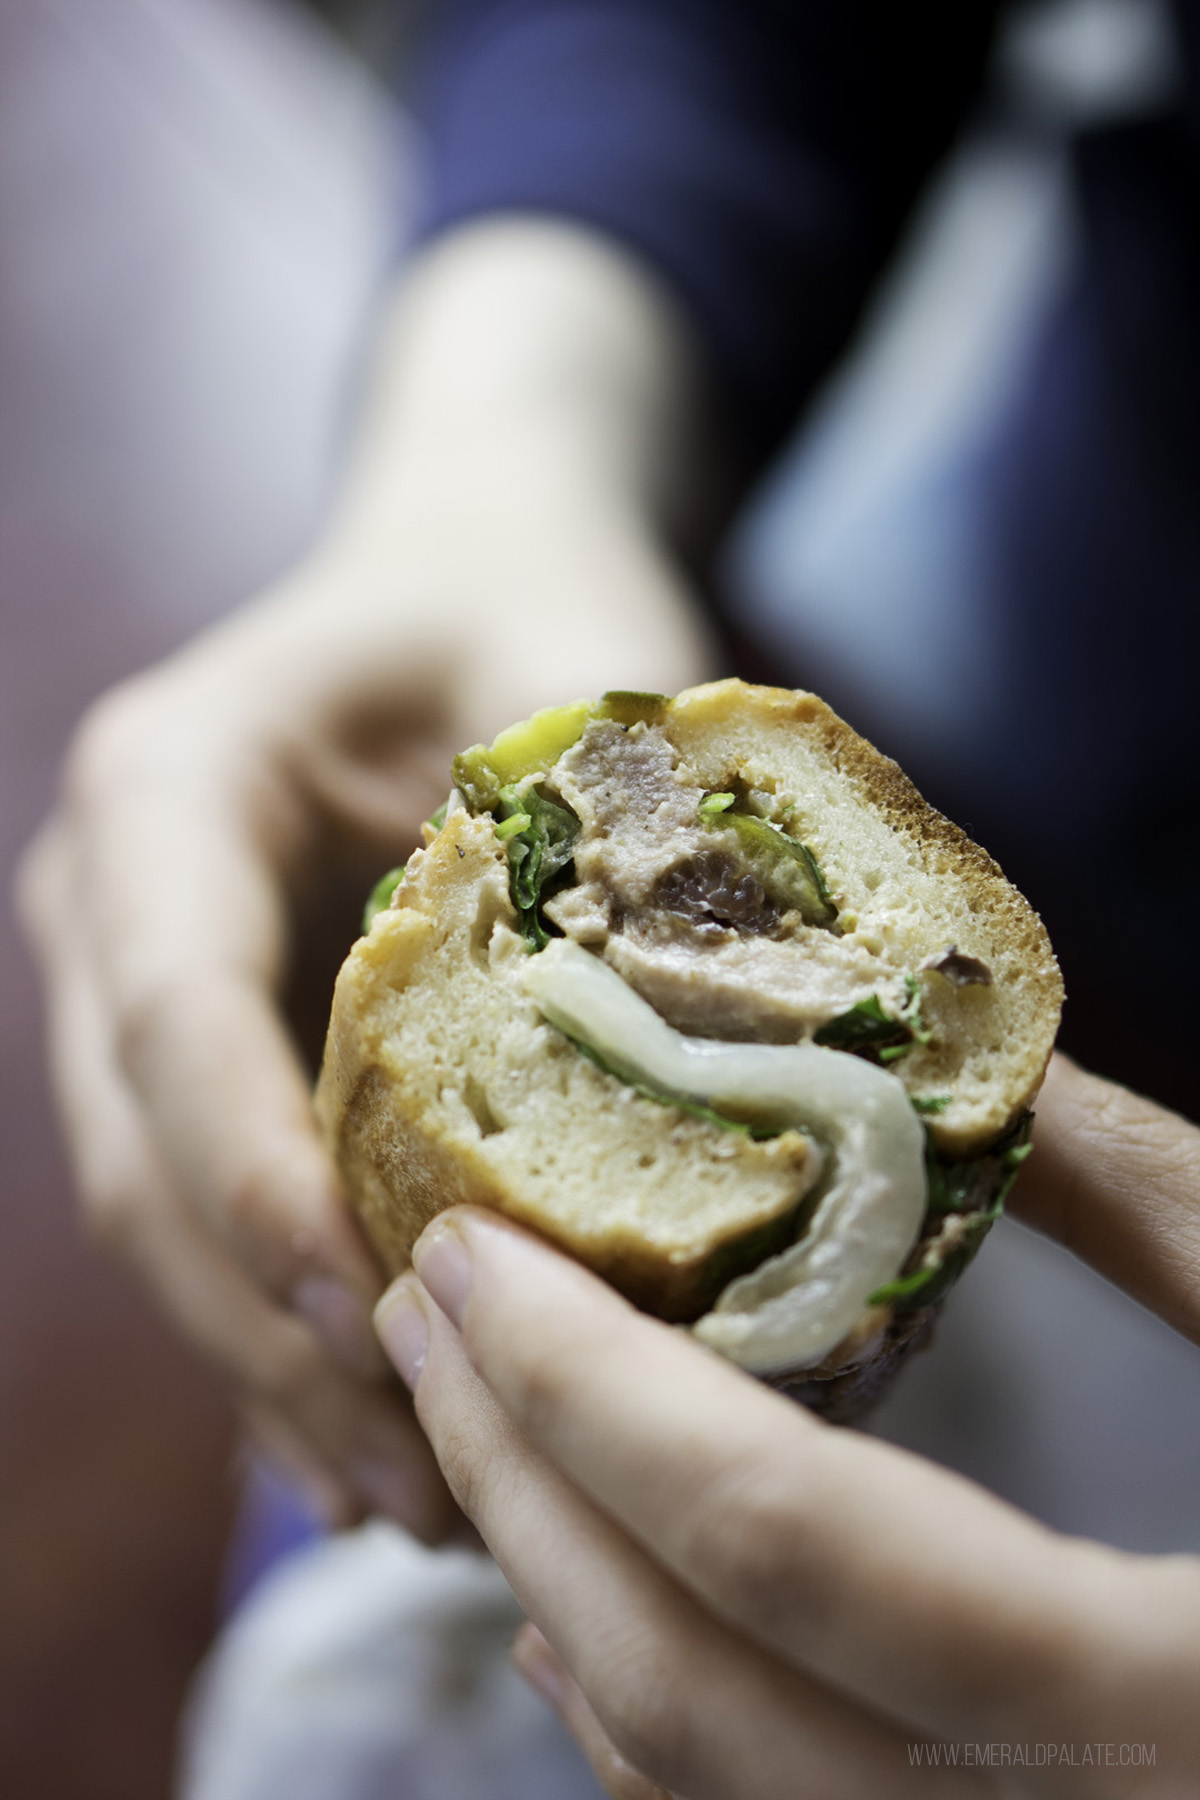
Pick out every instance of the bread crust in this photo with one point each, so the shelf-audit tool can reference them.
(406, 1147)
(726, 713)
(406, 1151)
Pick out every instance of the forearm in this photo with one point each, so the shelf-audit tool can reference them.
(501, 541)
(760, 157)
(528, 357)
(527, 457)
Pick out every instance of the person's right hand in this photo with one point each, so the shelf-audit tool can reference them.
(285, 760)
(733, 1600)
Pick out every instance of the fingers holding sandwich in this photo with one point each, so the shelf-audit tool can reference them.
(1116, 1179)
(180, 856)
(285, 1327)
(678, 1694)
(906, 1590)
(549, 1676)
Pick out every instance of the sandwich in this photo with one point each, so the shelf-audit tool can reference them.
(702, 991)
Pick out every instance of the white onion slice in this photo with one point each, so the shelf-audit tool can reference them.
(796, 1306)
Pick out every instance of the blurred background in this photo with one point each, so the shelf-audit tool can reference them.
(198, 199)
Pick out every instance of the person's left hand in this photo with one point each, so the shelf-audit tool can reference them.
(745, 1602)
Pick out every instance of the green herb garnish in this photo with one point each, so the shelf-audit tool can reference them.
(380, 897)
(695, 1109)
(713, 804)
(787, 869)
(1011, 1162)
(540, 837)
(976, 1191)
(951, 1185)
(529, 748)
(912, 1011)
(906, 1287)
(865, 1027)
(925, 1285)
(887, 1036)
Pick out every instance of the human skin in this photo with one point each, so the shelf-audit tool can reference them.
(732, 1600)
(503, 540)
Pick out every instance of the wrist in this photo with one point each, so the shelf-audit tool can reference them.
(504, 532)
(525, 357)
(475, 604)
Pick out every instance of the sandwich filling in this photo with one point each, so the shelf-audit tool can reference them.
(686, 935)
(796, 1306)
(713, 914)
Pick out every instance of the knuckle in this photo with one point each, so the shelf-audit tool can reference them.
(646, 1710)
(538, 1386)
(748, 1544)
(143, 1011)
(246, 1206)
(159, 1008)
(114, 1211)
(469, 1471)
(109, 744)
(256, 1191)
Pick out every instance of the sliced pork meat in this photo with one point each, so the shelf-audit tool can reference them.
(670, 900)
(711, 888)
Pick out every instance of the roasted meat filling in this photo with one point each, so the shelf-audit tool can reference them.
(710, 889)
(669, 899)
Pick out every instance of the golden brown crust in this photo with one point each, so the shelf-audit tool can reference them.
(940, 848)
(943, 846)
(413, 1132)
(408, 1113)
(398, 1174)
(882, 781)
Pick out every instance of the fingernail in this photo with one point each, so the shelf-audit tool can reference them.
(535, 1660)
(404, 1331)
(342, 1319)
(444, 1265)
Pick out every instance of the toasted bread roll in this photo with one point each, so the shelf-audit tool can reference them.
(706, 993)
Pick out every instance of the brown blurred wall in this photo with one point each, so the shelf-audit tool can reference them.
(194, 202)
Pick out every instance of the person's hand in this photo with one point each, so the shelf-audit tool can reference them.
(488, 559)
(731, 1599)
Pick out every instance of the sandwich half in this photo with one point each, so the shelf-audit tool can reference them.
(704, 992)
